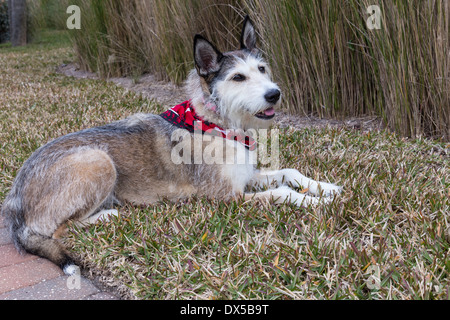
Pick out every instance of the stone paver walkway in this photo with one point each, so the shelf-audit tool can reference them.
(28, 277)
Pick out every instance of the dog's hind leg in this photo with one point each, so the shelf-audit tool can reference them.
(104, 214)
(72, 188)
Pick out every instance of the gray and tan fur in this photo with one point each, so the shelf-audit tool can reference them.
(78, 176)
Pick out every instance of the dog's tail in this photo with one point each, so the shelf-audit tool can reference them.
(25, 239)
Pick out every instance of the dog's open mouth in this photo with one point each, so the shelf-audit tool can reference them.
(266, 114)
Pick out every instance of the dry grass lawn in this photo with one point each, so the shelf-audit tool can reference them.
(386, 237)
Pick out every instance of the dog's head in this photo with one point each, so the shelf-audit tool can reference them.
(237, 84)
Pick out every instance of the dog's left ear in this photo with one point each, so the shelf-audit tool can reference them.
(207, 57)
(248, 35)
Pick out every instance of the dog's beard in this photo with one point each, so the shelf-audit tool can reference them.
(240, 108)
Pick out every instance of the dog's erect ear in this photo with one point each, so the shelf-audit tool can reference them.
(207, 57)
(248, 36)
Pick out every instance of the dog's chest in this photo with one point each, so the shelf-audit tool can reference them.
(239, 166)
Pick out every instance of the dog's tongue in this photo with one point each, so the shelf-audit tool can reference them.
(269, 112)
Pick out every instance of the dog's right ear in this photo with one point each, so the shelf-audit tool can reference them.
(248, 35)
(207, 57)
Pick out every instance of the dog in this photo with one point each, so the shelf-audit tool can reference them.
(83, 175)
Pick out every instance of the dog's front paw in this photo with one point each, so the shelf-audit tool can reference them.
(329, 189)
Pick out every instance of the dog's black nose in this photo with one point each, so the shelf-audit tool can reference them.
(272, 96)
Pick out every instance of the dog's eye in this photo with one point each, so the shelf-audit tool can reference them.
(262, 69)
(238, 77)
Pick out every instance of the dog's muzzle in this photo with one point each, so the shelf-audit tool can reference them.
(272, 96)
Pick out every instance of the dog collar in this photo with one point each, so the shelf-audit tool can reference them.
(184, 116)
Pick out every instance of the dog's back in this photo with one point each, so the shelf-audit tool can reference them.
(74, 176)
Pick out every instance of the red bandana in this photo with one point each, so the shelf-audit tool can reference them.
(185, 117)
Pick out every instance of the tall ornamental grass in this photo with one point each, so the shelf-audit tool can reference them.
(328, 61)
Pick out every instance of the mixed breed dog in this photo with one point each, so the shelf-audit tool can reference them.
(81, 176)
